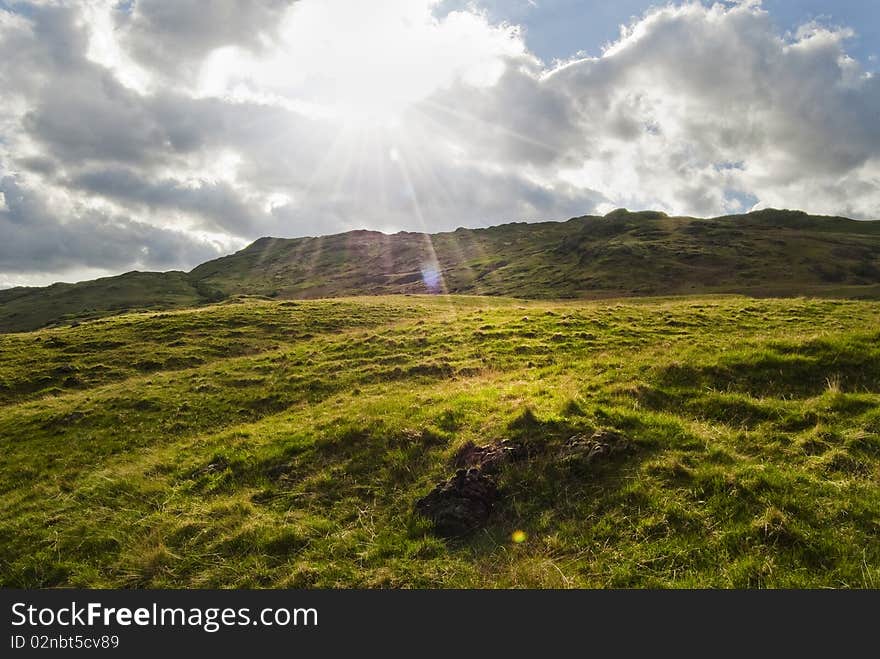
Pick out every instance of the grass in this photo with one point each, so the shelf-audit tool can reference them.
(258, 443)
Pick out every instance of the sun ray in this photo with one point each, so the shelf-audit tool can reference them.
(329, 158)
(432, 272)
(315, 255)
(467, 116)
(424, 169)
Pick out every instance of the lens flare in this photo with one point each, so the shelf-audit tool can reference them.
(432, 279)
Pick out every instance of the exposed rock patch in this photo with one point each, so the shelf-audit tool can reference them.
(460, 504)
(489, 458)
(601, 445)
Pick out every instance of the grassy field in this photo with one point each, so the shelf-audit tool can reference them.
(258, 443)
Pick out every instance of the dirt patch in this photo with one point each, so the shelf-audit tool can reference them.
(603, 444)
(461, 504)
(489, 458)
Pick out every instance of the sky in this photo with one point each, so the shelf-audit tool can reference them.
(559, 29)
(155, 135)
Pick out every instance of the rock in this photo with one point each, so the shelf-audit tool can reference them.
(601, 445)
(220, 464)
(460, 504)
(488, 458)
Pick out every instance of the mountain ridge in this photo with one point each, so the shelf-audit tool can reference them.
(622, 254)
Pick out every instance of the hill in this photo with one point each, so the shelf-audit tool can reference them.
(697, 442)
(23, 308)
(765, 253)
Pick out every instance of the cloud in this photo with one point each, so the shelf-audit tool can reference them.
(174, 37)
(36, 241)
(217, 202)
(155, 134)
(690, 111)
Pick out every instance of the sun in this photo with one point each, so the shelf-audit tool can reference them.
(364, 62)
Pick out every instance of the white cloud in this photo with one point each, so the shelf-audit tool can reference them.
(172, 134)
(359, 59)
(691, 111)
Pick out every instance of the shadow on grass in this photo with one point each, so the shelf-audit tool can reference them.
(786, 370)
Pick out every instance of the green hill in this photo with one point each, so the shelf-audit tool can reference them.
(23, 309)
(766, 253)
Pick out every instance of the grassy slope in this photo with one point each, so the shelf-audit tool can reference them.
(763, 254)
(258, 443)
(23, 309)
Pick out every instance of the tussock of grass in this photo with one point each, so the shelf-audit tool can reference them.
(270, 444)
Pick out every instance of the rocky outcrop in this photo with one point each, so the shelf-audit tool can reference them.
(460, 504)
(489, 458)
(601, 445)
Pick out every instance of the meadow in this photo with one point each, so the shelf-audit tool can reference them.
(262, 443)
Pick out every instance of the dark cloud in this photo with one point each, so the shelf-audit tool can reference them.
(173, 37)
(518, 119)
(216, 202)
(35, 240)
(93, 117)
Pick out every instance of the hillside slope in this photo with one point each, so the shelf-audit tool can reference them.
(23, 309)
(766, 253)
(259, 443)
(623, 253)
